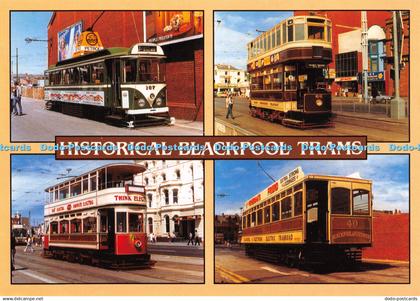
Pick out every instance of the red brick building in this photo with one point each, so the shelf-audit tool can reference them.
(184, 48)
(391, 237)
(346, 30)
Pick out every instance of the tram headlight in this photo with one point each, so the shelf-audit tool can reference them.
(319, 102)
(138, 244)
(159, 101)
(141, 102)
(152, 96)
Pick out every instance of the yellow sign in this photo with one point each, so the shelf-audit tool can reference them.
(280, 237)
(88, 42)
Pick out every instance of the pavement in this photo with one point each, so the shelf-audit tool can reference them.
(38, 124)
(378, 128)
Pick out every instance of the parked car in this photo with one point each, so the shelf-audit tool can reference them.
(380, 99)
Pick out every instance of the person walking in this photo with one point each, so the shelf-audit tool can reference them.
(13, 250)
(229, 106)
(197, 238)
(29, 245)
(13, 100)
(190, 239)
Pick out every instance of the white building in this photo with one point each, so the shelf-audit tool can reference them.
(229, 78)
(175, 196)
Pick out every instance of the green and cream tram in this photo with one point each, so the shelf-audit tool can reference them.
(124, 86)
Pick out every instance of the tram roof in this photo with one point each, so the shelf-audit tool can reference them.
(113, 167)
(101, 54)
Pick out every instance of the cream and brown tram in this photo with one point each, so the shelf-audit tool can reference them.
(99, 218)
(309, 219)
(288, 67)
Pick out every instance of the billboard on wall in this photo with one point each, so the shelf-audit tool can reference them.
(165, 26)
(67, 41)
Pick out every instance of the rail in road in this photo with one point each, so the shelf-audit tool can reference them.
(33, 268)
(233, 266)
(376, 129)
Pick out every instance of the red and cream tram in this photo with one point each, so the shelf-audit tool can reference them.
(98, 217)
(312, 219)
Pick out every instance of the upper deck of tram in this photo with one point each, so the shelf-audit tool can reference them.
(297, 31)
(115, 179)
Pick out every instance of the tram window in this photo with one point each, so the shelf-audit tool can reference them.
(284, 32)
(300, 32)
(289, 191)
(329, 33)
(267, 82)
(253, 219)
(97, 73)
(268, 41)
(360, 202)
(51, 196)
(275, 210)
(129, 70)
(298, 187)
(243, 221)
(135, 222)
(64, 227)
(340, 201)
(89, 225)
(85, 74)
(286, 208)
(75, 77)
(267, 215)
(85, 185)
(290, 33)
(64, 191)
(278, 36)
(76, 189)
(290, 78)
(93, 182)
(259, 217)
(316, 32)
(257, 83)
(278, 81)
(101, 180)
(248, 220)
(273, 39)
(76, 226)
(298, 203)
(54, 228)
(121, 222)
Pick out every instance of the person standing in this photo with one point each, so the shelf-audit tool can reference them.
(18, 98)
(13, 250)
(229, 106)
(197, 238)
(13, 100)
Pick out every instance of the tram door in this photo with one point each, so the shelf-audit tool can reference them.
(114, 77)
(316, 211)
(111, 229)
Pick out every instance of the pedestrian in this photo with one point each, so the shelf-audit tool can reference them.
(13, 100)
(190, 239)
(13, 250)
(229, 106)
(18, 99)
(29, 245)
(197, 238)
(374, 94)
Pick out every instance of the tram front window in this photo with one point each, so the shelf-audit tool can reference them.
(135, 222)
(151, 71)
(129, 70)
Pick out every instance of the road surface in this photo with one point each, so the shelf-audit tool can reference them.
(169, 268)
(348, 124)
(38, 124)
(233, 266)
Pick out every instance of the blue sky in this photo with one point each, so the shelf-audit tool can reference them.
(236, 29)
(31, 174)
(242, 179)
(33, 57)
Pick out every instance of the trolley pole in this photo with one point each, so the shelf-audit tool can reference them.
(17, 66)
(397, 104)
(365, 56)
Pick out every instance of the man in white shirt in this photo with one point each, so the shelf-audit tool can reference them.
(18, 99)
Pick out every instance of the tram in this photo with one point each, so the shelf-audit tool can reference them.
(288, 67)
(316, 220)
(98, 218)
(122, 86)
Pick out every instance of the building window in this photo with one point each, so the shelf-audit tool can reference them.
(373, 62)
(150, 199)
(175, 196)
(166, 193)
(346, 64)
(178, 174)
(167, 226)
(146, 181)
(150, 222)
(373, 47)
(163, 177)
